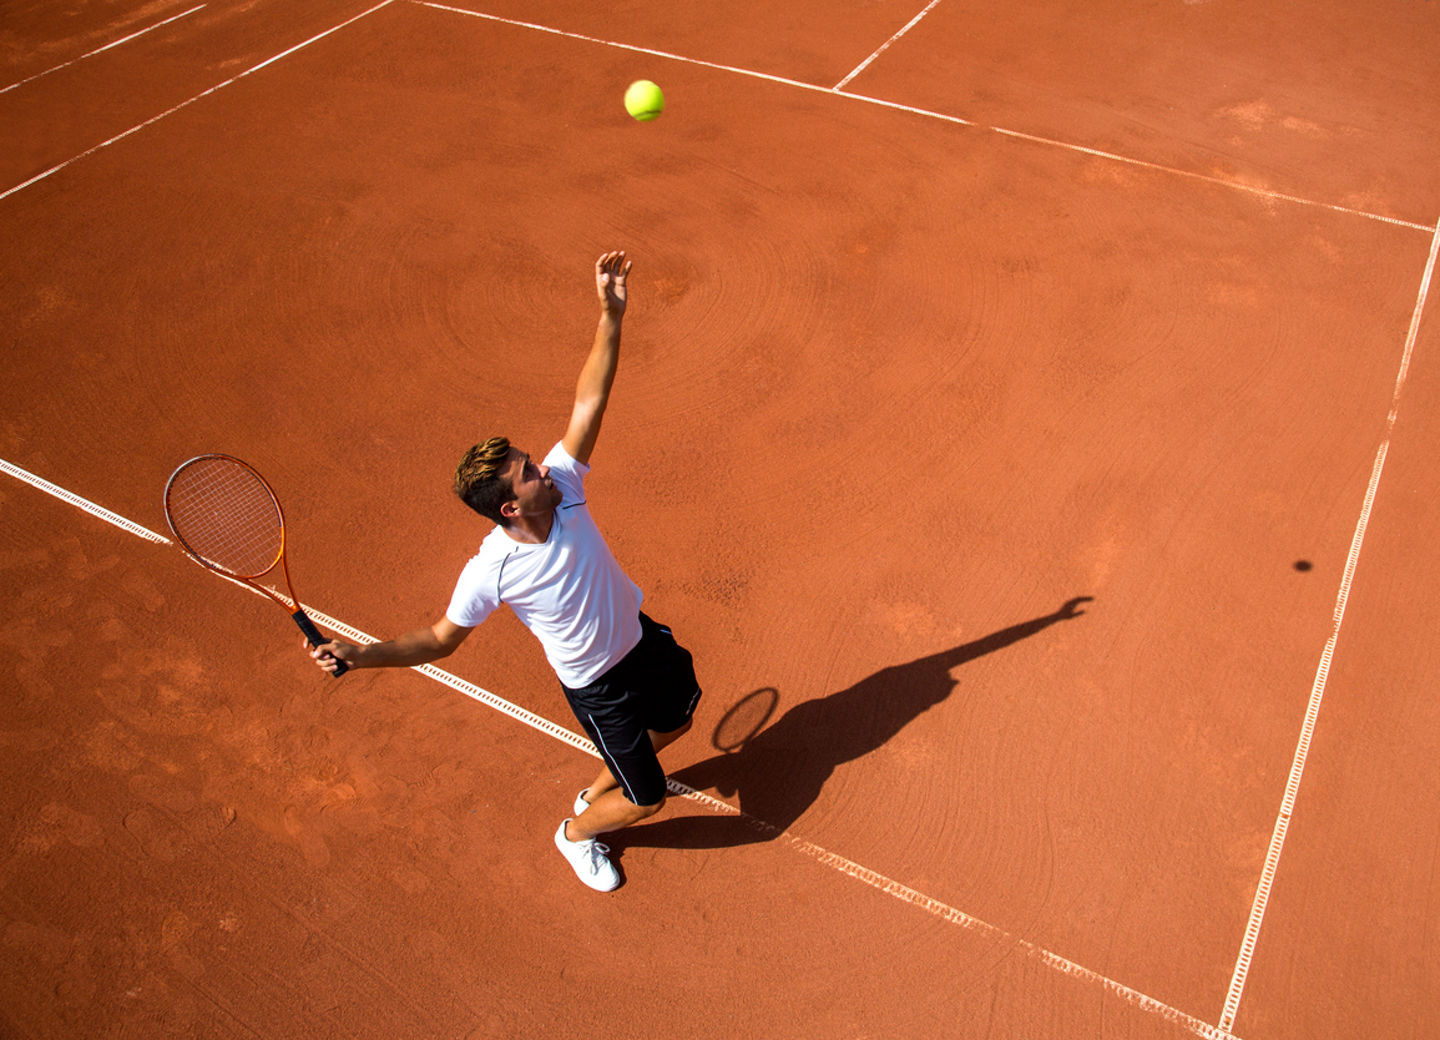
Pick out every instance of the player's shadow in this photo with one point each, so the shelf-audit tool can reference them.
(780, 771)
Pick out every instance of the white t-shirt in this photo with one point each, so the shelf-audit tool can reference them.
(569, 591)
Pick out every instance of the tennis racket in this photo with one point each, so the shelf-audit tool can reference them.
(228, 520)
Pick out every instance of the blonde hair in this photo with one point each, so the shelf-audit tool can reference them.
(478, 481)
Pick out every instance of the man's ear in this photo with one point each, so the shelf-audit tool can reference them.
(511, 509)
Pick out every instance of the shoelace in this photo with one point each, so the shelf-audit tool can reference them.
(596, 854)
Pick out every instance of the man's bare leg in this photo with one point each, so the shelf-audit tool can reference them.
(611, 811)
(603, 792)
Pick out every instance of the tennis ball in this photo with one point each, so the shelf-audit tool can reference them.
(644, 101)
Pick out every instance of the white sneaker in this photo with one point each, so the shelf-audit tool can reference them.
(580, 803)
(590, 861)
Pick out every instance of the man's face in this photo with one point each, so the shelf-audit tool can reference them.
(530, 484)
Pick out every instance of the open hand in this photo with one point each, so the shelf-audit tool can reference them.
(610, 272)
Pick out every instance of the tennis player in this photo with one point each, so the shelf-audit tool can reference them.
(631, 685)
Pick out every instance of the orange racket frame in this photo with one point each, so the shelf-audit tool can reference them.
(220, 511)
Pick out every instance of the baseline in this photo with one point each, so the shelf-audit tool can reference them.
(889, 886)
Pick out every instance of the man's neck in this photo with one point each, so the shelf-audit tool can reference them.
(531, 530)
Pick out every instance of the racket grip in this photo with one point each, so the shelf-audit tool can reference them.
(312, 634)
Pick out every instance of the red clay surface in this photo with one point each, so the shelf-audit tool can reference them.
(894, 390)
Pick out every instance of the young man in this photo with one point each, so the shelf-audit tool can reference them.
(631, 686)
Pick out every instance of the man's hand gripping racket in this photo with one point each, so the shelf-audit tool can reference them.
(227, 519)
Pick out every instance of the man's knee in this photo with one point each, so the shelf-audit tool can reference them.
(662, 739)
(635, 813)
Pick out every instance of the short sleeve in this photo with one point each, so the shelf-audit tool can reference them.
(568, 474)
(475, 598)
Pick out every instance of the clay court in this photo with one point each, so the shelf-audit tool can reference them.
(1027, 416)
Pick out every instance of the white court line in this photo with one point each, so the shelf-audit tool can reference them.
(101, 50)
(875, 880)
(1322, 673)
(885, 46)
(783, 80)
(185, 104)
(75, 500)
(863, 874)
(929, 114)
(1277, 196)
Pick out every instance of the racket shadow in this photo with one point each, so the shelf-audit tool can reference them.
(779, 772)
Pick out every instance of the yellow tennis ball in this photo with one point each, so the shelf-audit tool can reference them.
(644, 101)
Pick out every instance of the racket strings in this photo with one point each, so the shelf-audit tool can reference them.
(225, 513)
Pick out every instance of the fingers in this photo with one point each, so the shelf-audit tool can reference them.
(612, 267)
(325, 654)
(610, 273)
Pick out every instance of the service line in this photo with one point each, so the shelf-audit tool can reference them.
(1322, 672)
(835, 91)
(101, 50)
(889, 886)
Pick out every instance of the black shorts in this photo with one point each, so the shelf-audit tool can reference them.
(652, 688)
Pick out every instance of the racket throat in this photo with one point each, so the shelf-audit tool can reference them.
(308, 627)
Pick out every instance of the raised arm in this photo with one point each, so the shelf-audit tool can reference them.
(592, 393)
